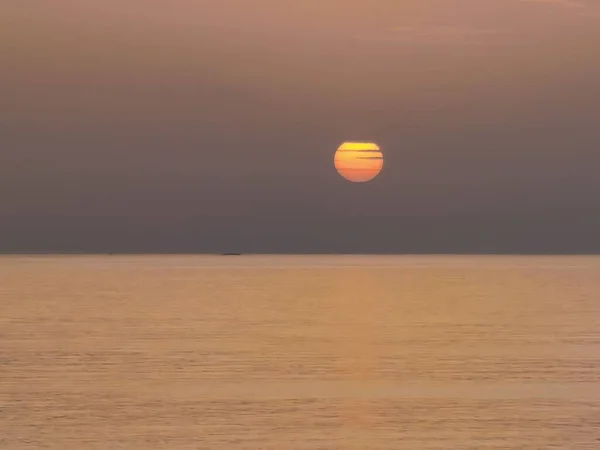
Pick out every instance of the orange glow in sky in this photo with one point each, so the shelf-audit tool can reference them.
(358, 161)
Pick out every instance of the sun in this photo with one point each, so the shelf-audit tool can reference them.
(358, 161)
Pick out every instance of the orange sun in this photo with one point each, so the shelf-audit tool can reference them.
(358, 161)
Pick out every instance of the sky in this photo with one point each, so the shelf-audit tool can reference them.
(211, 125)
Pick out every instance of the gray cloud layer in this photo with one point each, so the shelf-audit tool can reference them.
(213, 127)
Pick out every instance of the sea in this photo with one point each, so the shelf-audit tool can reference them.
(299, 352)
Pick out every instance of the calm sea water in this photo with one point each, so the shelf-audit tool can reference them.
(299, 352)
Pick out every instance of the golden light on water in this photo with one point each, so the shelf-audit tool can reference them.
(358, 161)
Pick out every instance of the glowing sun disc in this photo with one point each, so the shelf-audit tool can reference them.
(358, 161)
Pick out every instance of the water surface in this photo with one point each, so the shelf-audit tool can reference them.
(299, 352)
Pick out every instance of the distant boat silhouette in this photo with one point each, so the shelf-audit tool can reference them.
(230, 254)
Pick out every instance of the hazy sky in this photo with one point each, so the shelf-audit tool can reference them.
(211, 125)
